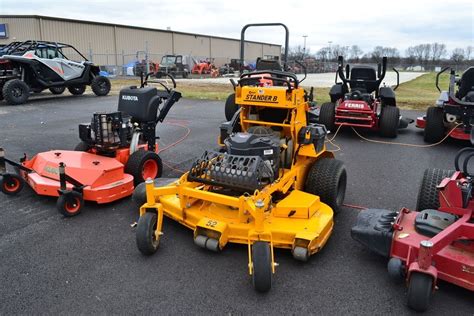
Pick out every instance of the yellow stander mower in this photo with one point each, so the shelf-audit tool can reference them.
(272, 184)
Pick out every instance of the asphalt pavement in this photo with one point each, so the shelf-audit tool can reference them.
(90, 264)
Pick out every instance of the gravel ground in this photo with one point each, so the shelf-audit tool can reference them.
(322, 80)
(90, 264)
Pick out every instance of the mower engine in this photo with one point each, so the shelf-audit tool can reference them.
(107, 131)
(251, 161)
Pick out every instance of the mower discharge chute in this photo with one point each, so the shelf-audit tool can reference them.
(454, 109)
(272, 184)
(435, 242)
(359, 101)
(117, 151)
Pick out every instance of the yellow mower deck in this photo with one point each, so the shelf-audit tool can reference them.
(298, 220)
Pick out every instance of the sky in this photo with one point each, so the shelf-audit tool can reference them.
(399, 24)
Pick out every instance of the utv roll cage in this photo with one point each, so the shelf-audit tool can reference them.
(22, 47)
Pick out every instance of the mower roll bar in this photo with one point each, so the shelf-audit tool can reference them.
(398, 78)
(242, 41)
(437, 77)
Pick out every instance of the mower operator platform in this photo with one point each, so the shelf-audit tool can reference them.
(103, 178)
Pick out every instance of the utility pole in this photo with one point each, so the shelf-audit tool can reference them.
(304, 45)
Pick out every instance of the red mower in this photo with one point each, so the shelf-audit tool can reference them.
(454, 109)
(117, 151)
(365, 104)
(435, 242)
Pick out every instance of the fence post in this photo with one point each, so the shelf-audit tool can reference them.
(146, 58)
(90, 52)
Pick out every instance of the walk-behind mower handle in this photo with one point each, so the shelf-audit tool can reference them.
(437, 77)
(242, 42)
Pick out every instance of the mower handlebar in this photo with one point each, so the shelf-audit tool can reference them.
(252, 76)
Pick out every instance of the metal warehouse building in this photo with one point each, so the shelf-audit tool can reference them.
(116, 45)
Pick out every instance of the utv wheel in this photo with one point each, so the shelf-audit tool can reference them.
(230, 107)
(327, 116)
(100, 86)
(57, 90)
(262, 266)
(328, 178)
(147, 241)
(144, 164)
(428, 194)
(434, 127)
(420, 289)
(82, 146)
(70, 204)
(15, 92)
(389, 120)
(77, 90)
(11, 184)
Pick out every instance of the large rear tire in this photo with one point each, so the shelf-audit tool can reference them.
(434, 127)
(328, 179)
(327, 116)
(77, 89)
(262, 266)
(144, 164)
(15, 92)
(101, 86)
(230, 107)
(57, 90)
(389, 121)
(428, 194)
(420, 289)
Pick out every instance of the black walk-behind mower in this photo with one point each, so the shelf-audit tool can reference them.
(117, 151)
(33, 66)
(435, 242)
(454, 109)
(359, 101)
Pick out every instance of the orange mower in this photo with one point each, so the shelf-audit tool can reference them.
(117, 151)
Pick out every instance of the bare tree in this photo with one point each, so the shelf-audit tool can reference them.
(426, 52)
(418, 51)
(323, 53)
(338, 50)
(458, 55)
(469, 51)
(437, 51)
(355, 52)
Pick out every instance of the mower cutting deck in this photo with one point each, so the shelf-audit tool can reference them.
(437, 242)
(117, 151)
(273, 184)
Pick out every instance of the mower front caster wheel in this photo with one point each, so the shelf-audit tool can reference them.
(420, 289)
(262, 271)
(301, 254)
(396, 270)
(11, 184)
(147, 238)
(70, 203)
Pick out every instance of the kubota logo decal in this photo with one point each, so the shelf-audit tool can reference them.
(130, 98)
(251, 96)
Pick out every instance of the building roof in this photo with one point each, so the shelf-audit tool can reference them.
(123, 25)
